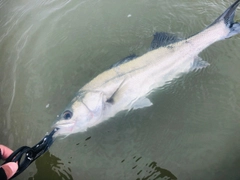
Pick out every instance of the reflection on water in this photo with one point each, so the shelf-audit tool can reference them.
(51, 167)
(150, 171)
(155, 172)
(49, 49)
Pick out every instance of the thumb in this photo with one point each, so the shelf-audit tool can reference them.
(10, 169)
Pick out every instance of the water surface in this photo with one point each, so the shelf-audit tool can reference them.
(49, 49)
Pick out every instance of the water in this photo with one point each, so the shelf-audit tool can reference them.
(49, 49)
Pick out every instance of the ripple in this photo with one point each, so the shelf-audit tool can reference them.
(50, 48)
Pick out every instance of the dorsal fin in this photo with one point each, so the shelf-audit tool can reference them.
(161, 39)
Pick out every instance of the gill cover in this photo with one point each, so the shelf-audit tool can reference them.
(94, 101)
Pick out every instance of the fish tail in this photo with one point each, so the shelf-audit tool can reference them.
(228, 18)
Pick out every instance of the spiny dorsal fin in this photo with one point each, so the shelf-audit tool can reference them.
(124, 60)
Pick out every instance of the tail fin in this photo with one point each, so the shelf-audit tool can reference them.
(228, 18)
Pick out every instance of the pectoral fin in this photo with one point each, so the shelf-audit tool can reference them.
(141, 103)
(113, 92)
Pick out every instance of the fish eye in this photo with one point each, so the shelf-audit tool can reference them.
(67, 115)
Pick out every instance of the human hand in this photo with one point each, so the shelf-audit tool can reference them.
(9, 169)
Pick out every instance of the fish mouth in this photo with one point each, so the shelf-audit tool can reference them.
(63, 127)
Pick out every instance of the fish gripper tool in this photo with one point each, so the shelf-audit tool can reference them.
(25, 155)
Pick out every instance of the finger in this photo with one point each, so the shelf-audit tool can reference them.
(10, 169)
(5, 151)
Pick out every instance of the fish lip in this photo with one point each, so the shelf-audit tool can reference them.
(64, 129)
(63, 125)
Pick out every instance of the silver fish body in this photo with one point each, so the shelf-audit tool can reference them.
(126, 86)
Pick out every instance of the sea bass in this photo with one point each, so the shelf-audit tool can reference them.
(128, 83)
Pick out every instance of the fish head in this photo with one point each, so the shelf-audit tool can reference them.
(84, 111)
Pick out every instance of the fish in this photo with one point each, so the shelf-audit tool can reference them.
(128, 83)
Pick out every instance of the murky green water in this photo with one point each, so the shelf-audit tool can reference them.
(49, 49)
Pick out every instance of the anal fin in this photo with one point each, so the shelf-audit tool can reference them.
(199, 63)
